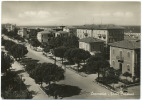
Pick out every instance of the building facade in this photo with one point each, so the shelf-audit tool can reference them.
(108, 34)
(44, 36)
(9, 27)
(125, 56)
(61, 33)
(92, 45)
(23, 33)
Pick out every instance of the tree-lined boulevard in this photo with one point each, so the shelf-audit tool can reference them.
(86, 84)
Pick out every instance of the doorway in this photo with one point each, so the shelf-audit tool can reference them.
(120, 67)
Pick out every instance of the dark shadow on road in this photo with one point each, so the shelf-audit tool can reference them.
(20, 71)
(68, 63)
(28, 86)
(62, 90)
(25, 60)
(33, 92)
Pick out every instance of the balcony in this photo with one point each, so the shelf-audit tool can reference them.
(120, 59)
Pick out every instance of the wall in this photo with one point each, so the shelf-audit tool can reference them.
(115, 51)
(115, 35)
(107, 35)
(97, 46)
(100, 34)
(80, 33)
(85, 46)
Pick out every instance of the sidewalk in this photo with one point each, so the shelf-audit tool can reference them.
(37, 92)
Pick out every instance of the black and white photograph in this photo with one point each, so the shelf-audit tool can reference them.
(70, 49)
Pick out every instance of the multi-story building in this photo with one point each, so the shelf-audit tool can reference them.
(133, 32)
(44, 36)
(23, 33)
(125, 55)
(9, 27)
(92, 45)
(107, 33)
(61, 33)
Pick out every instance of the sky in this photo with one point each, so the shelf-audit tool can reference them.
(71, 12)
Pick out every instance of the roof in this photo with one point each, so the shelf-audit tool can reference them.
(126, 37)
(45, 32)
(90, 40)
(132, 29)
(127, 44)
(62, 32)
(97, 27)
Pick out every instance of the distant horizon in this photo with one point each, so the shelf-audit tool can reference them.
(70, 25)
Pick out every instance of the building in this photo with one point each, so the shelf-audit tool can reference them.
(23, 33)
(107, 33)
(125, 55)
(92, 45)
(133, 31)
(9, 27)
(61, 33)
(45, 36)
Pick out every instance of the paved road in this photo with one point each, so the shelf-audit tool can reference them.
(84, 83)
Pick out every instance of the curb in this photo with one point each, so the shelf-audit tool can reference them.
(106, 87)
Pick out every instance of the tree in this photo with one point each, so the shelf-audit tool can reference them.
(30, 66)
(6, 62)
(18, 51)
(4, 30)
(47, 72)
(68, 41)
(60, 51)
(46, 49)
(99, 63)
(68, 55)
(86, 55)
(78, 55)
(111, 76)
(34, 42)
(71, 41)
(127, 74)
(52, 73)
(8, 44)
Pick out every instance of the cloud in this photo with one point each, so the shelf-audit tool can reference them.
(102, 14)
(114, 14)
(122, 14)
(129, 14)
(118, 14)
(37, 14)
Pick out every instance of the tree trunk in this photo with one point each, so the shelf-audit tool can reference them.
(98, 75)
(84, 62)
(55, 60)
(78, 67)
(62, 60)
(41, 83)
(49, 82)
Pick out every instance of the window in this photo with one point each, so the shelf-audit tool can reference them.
(128, 67)
(113, 51)
(113, 63)
(128, 54)
(121, 53)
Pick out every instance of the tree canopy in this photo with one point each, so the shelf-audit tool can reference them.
(60, 51)
(18, 51)
(34, 42)
(68, 41)
(6, 62)
(47, 72)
